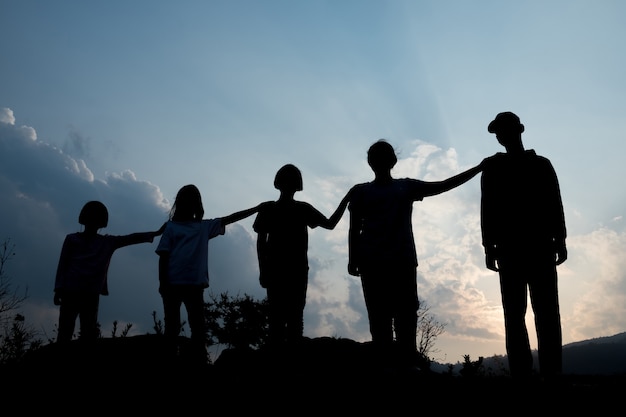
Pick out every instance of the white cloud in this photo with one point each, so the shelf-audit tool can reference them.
(6, 116)
(41, 193)
(597, 270)
(42, 190)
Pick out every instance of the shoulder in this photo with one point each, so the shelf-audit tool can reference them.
(494, 161)
(72, 239)
(211, 222)
(538, 159)
(410, 182)
(267, 205)
(359, 188)
(308, 208)
(357, 193)
(496, 157)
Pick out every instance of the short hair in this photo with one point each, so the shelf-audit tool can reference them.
(288, 178)
(381, 155)
(94, 213)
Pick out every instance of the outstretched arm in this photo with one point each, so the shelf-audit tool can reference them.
(235, 217)
(438, 187)
(331, 222)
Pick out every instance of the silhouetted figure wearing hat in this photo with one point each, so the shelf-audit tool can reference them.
(523, 233)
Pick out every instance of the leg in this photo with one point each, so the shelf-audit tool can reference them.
(375, 292)
(89, 316)
(68, 312)
(276, 298)
(194, 303)
(545, 304)
(513, 288)
(295, 310)
(171, 310)
(405, 313)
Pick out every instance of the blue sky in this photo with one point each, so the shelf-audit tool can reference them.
(126, 102)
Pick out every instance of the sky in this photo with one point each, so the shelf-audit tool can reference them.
(126, 102)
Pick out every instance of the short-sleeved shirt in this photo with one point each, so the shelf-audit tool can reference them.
(382, 213)
(187, 244)
(286, 223)
(85, 259)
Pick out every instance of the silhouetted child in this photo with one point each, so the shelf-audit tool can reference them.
(282, 247)
(381, 248)
(83, 269)
(183, 265)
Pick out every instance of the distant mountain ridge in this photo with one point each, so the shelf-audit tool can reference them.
(598, 356)
(619, 338)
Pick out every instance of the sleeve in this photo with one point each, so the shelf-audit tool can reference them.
(165, 241)
(313, 216)
(488, 211)
(557, 221)
(215, 227)
(260, 222)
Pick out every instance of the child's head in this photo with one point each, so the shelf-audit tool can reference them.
(94, 214)
(288, 178)
(188, 204)
(381, 156)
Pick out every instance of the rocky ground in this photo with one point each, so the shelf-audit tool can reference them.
(320, 376)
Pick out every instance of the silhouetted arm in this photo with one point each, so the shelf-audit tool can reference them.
(561, 252)
(353, 245)
(438, 187)
(354, 240)
(491, 258)
(331, 222)
(235, 217)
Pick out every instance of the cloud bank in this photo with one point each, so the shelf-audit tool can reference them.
(43, 187)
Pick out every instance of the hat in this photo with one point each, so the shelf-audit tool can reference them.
(503, 120)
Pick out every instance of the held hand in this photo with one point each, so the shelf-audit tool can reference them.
(353, 269)
(57, 299)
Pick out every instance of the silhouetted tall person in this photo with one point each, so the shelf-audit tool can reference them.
(282, 247)
(382, 248)
(83, 268)
(523, 232)
(183, 265)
